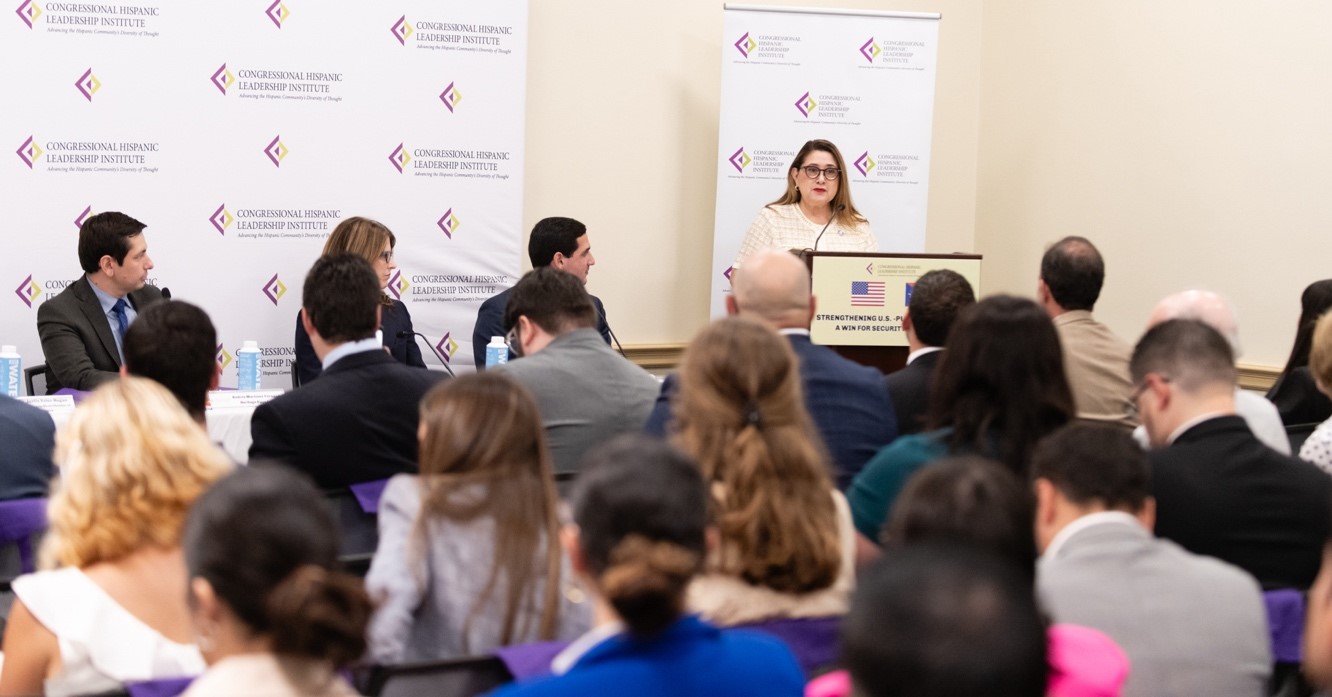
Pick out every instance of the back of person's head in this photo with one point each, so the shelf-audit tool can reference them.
(551, 236)
(740, 414)
(484, 429)
(266, 544)
(1189, 353)
(106, 234)
(175, 344)
(1095, 466)
(131, 462)
(341, 296)
(937, 298)
(966, 500)
(944, 621)
(642, 514)
(363, 237)
(1001, 384)
(773, 286)
(1207, 307)
(1073, 270)
(553, 300)
(1320, 355)
(1314, 303)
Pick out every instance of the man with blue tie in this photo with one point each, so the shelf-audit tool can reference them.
(83, 328)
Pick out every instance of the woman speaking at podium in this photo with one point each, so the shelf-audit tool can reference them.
(815, 213)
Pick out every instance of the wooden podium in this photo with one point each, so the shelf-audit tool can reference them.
(861, 299)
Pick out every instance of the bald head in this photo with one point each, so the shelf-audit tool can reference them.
(1202, 305)
(773, 286)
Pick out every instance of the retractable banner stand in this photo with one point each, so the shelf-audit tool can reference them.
(863, 80)
(241, 132)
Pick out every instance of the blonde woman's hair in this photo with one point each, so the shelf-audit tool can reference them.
(131, 462)
(740, 414)
(1320, 355)
(363, 237)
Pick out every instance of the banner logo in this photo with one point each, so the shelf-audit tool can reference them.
(222, 79)
(450, 96)
(88, 84)
(870, 50)
(447, 347)
(223, 358)
(274, 289)
(221, 219)
(806, 104)
(78, 222)
(449, 223)
(398, 285)
(745, 45)
(865, 164)
(276, 151)
(278, 13)
(728, 272)
(402, 30)
(29, 152)
(400, 158)
(29, 11)
(867, 293)
(739, 160)
(28, 291)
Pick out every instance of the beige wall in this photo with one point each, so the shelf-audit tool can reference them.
(622, 105)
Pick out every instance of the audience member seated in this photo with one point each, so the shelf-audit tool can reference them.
(1215, 311)
(1317, 649)
(786, 546)
(357, 422)
(563, 245)
(848, 402)
(1190, 625)
(370, 240)
(1219, 491)
(271, 614)
(82, 328)
(29, 437)
(1298, 400)
(131, 462)
(586, 392)
(1317, 447)
(936, 299)
(468, 556)
(1000, 388)
(175, 345)
(640, 520)
(1072, 273)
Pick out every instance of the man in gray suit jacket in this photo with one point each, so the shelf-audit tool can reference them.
(586, 392)
(82, 329)
(1191, 625)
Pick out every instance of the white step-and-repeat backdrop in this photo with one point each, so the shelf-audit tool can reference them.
(242, 131)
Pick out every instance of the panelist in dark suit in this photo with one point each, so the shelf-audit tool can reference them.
(1219, 490)
(82, 328)
(559, 243)
(358, 421)
(936, 299)
(29, 437)
(370, 240)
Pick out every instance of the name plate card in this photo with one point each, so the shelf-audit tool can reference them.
(237, 399)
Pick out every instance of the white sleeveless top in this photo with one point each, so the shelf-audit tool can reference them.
(101, 644)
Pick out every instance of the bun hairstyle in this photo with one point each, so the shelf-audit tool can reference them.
(264, 541)
(641, 509)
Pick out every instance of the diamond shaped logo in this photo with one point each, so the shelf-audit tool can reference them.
(806, 104)
(78, 222)
(276, 151)
(450, 96)
(274, 289)
(745, 45)
(29, 152)
(400, 158)
(221, 219)
(28, 291)
(739, 160)
(398, 285)
(402, 30)
(447, 346)
(222, 79)
(278, 13)
(728, 272)
(870, 50)
(865, 164)
(29, 11)
(88, 84)
(223, 357)
(449, 223)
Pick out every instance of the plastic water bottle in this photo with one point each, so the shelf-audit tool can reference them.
(247, 366)
(11, 371)
(497, 352)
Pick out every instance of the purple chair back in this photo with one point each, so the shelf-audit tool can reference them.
(20, 521)
(530, 660)
(163, 687)
(368, 494)
(1285, 623)
(814, 641)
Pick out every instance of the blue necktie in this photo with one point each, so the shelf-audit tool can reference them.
(122, 320)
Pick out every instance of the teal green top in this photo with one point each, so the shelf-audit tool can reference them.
(874, 490)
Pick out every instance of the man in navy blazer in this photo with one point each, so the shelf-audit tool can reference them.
(937, 298)
(29, 437)
(357, 422)
(848, 401)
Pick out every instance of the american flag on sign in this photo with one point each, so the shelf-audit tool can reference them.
(867, 294)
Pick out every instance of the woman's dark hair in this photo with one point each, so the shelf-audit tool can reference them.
(641, 509)
(264, 541)
(967, 500)
(1001, 383)
(1316, 300)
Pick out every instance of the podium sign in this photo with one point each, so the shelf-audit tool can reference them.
(863, 297)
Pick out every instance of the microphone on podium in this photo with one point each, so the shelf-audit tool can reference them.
(166, 293)
(403, 334)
